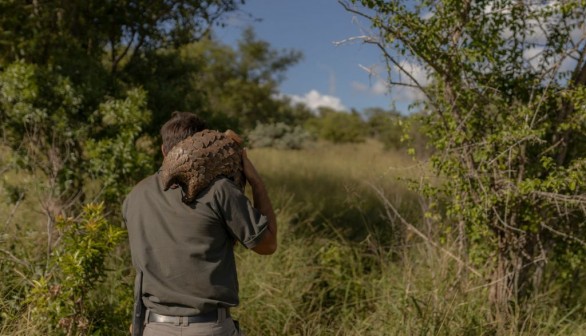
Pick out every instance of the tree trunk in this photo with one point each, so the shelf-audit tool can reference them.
(501, 289)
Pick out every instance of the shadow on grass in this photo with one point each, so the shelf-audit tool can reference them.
(346, 208)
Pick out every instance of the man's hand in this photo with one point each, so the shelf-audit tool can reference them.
(232, 135)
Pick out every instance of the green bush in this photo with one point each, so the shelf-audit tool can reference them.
(64, 297)
(279, 135)
(385, 126)
(338, 127)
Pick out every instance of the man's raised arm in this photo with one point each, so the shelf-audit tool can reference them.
(261, 201)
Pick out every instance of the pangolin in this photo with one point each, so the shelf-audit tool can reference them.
(197, 160)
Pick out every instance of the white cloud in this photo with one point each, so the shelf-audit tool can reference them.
(416, 71)
(568, 65)
(379, 88)
(360, 87)
(407, 94)
(400, 93)
(427, 16)
(533, 56)
(534, 35)
(313, 99)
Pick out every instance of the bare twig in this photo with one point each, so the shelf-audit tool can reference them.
(413, 229)
(14, 258)
(5, 169)
(565, 235)
(574, 199)
(361, 38)
(14, 208)
(116, 59)
(506, 276)
(408, 43)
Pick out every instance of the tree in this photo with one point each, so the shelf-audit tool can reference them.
(50, 32)
(230, 87)
(385, 126)
(278, 135)
(240, 85)
(60, 162)
(84, 86)
(505, 106)
(337, 126)
(91, 41)
(163, 46)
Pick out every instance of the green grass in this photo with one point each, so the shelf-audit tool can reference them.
(342, 268)
(330, 186)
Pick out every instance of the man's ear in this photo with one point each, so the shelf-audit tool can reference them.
(163, 151)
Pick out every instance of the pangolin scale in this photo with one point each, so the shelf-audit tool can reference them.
(199, 159)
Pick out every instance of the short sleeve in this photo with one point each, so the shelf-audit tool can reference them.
(243, 221)
(124, 210)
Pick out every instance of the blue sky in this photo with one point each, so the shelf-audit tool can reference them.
(342, 76)
(329, 75)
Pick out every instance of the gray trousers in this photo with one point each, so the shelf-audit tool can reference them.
(224, 326)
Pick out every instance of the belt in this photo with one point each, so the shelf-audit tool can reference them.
(211, 316)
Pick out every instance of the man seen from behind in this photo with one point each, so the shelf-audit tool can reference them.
(183, 253)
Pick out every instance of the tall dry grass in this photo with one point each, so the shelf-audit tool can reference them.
(341, 269)
(343, 266)
(331, 185)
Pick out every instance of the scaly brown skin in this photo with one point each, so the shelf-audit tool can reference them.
(199, 159)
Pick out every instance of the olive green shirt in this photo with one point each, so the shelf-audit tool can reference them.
(185, 252)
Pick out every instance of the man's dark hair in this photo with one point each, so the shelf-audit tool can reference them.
(180, 126)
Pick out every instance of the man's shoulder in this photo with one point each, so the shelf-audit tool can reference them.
(133, 197)
(145, 184)
(218, 189)
(224, 184)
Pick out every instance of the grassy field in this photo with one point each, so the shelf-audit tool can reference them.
(344, 265)
(330, 186)
(345, 268)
